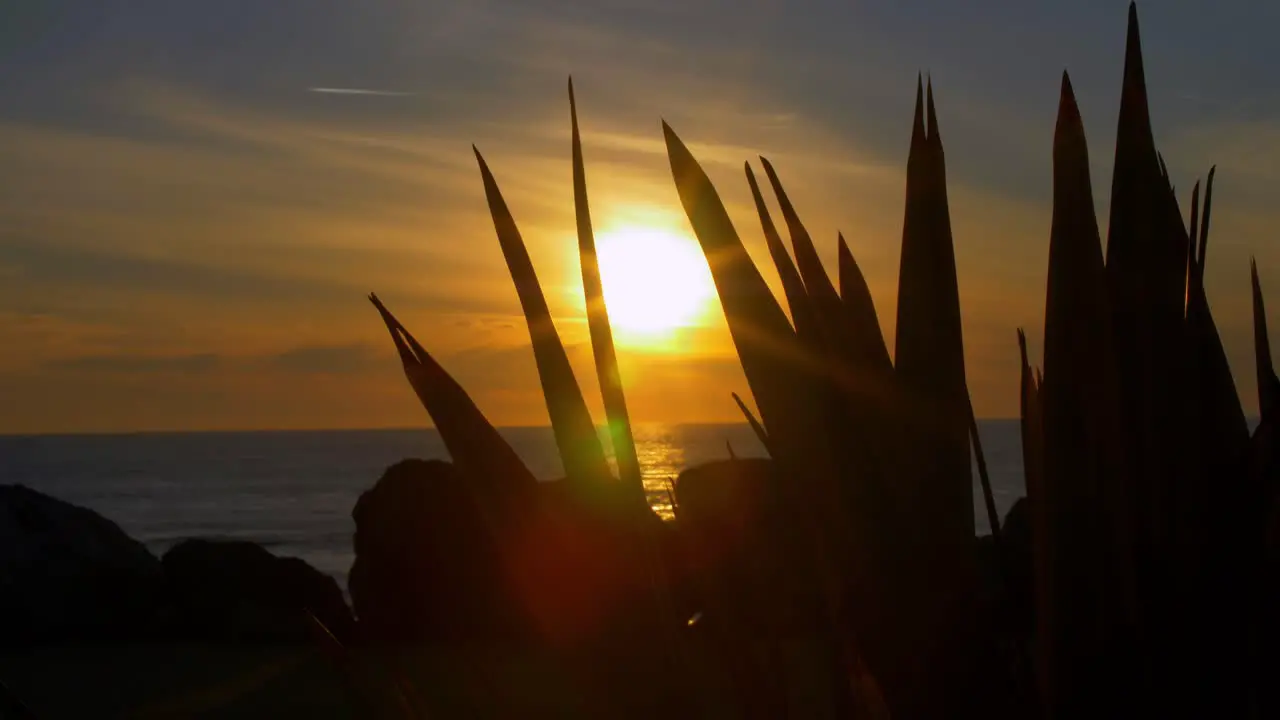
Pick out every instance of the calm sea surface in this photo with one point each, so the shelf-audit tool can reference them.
(294, 491)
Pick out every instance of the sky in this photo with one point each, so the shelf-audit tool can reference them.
(188, 228)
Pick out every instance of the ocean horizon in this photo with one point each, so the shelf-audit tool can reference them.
(292, 491)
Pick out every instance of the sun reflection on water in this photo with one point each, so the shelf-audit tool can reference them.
(665, 450)
(661, 460)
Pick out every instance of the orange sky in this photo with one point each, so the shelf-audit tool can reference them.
(180, 252)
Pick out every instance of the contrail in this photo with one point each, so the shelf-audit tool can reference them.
(358, 91)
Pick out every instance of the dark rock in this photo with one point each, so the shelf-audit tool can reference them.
(587, 581)
(1007, 575)
(238, 592)
(1016, 535)
(565, 565)
(1017, 525)
(427, 568)
(736, 571)
(69, 575)
(565, 570)
(733, 562)
(723, 500)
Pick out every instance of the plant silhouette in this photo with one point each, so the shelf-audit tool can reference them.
(841, 577)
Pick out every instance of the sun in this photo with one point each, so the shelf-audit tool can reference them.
(656, 281)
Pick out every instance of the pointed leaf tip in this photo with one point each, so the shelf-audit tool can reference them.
(1204, 218)
(846, 266)
(1133, 37)
(792, 285)
(676, 146)
(1068, 96)
(1070, 123)
(930, 111)
(816, 282)
(756, 427)
(917, 123)
(677, 152)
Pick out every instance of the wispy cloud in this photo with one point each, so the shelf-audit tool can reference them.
(205, 208)
(332, 359)
(359, 91)
(140, 364)
(348, 359)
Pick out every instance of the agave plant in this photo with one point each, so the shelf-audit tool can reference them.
(1148, 497)
(594, 529)
(1149, 493)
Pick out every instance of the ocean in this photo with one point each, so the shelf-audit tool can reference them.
(293, 492)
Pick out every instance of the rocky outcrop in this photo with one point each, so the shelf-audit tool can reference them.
(731, 562)
(567, 565)
(1015, 534)
(237, 592)
(1007, 575)
(69, 575)
(426, 568)
(723, 502)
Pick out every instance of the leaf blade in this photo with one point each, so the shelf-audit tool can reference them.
(579, 445)
(605, 354)
(472, 441)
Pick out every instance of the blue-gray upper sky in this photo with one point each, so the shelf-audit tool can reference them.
(187, 227)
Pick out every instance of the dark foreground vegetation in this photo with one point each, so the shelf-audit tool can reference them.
(842, 576)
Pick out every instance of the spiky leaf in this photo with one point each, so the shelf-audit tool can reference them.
(1268, 383)
(615, 402)
(929, 358)
(472, 441)
(580, 449)
(798, 300)
(767, 346)
(861, 309)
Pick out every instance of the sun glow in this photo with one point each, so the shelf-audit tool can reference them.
(656, 281)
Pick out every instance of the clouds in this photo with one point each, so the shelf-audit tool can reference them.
(182, 217)
(359, 92)
(319, 359)
(329, 359)
(139, 364)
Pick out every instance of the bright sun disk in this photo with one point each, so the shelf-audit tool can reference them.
(655, 281)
